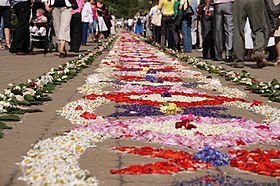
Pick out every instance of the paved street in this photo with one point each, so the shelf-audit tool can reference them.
(100, 160)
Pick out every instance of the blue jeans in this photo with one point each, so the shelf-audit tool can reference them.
(1, 28)
(84, 32)
(92, 28)
(187, 37)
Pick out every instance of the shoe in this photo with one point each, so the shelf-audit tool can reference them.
(215, 59)
(229, 59)
(22, 53)
(261, 61)
(238, 64)
(200, 50)
(277, 64)
(62, 54)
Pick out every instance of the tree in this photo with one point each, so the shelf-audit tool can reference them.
(127, 8)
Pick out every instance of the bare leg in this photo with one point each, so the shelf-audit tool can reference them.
(62, 51)
(248, 57)
(7, 37)
(277, 45)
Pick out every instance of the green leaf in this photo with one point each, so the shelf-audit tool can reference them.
(57, 82)
(32, 110)
(9, 118)
(4, 126)
(16, 112)
(26, 103)
(165, 104)
(28, 97)
(46, 98)
(267, 94)
(274, 82)
(36, 102)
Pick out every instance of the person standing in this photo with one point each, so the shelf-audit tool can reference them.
(86, 21)
(277, 37)
(107, 19)
(113, 23)
(62, 14)
(167, 20)
(75, 28)
(255, 11)
(93, 26)
(5, 15)
(223, 26)
(100, 8)
(21, 39)
(138, 26)
(187, 28)
(155, 29)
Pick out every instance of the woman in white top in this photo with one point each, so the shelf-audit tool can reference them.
(113, 22)
(86, 20)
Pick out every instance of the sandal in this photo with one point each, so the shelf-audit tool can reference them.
(8, 45)
(277, 64)
(62, 54)
(261, 61)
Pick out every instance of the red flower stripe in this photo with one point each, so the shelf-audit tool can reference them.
(124, 97)
(257, 161)
(177, 161)
(164, 78)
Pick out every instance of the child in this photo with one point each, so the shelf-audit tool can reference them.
(87, 20)
(38, 28)
(138, 27)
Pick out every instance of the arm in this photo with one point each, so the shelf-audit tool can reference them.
(182, 3)
(160, 5)
(207, 6)
(47, 5)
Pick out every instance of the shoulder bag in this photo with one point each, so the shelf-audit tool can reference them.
(189, 11)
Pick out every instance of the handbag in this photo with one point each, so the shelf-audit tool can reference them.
(189, 11)
(156, 19)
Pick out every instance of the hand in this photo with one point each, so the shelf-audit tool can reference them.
(207, 12)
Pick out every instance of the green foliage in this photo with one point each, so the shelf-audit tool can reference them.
(4, 126)
(9, 118)
(127, 8)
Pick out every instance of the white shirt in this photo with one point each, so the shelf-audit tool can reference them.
(130, 22)
(87, 13)
(222, 1)
(154, 10)
(51, 2)
(4, 3)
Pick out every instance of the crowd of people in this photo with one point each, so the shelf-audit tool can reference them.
(73, 21)
(229, 30)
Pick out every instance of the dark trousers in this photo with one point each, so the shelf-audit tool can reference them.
(207, 36)
(21, 39)
(5, 11)
(223, 26)
(84, 32)
(156, 33)
(75, 32)
(165, 22)
(254, 9)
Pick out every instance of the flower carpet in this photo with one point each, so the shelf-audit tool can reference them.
(160, 100)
